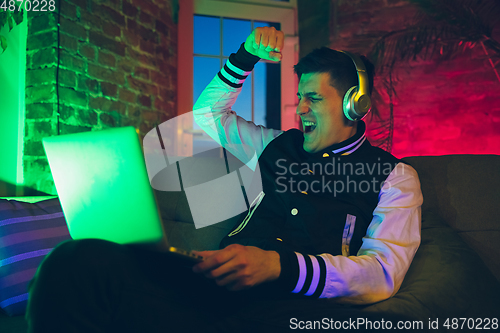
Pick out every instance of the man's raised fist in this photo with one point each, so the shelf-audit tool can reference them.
(266, 43)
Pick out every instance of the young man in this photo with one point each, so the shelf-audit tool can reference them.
(351, 239)
(337, 220)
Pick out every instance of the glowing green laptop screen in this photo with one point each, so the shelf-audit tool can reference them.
(103, 186)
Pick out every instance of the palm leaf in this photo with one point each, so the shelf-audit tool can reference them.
(3, 43)
(3, 18)
(440, 30)
(18, 16)
(10, 18)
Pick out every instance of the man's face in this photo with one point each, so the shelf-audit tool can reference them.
(320, 109)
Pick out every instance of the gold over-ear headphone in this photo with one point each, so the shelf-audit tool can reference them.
(357, 102)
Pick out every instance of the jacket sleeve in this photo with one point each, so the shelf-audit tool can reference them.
(378, 269)
(213, 113)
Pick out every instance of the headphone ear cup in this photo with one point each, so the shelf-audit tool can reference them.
(347, 104)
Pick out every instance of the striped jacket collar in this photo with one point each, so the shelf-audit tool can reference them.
(345, 147)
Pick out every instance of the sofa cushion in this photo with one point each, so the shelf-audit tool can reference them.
(14, 324)
(28, 232)
(463, 190)
(446, 278)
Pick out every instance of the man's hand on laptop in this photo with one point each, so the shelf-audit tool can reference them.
(239, 267)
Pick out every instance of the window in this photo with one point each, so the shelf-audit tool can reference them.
(215, 38)
(209, 31)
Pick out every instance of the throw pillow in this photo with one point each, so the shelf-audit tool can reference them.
(28, 232)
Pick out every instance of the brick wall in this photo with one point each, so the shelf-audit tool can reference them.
(447, 108)
(117, 67)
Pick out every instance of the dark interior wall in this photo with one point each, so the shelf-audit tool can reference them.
(450, 107)
(314, 24)
(117, 66)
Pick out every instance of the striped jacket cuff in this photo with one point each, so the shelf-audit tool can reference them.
(238, 67)
(302, 274)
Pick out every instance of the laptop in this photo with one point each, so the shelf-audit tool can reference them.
(104, 189)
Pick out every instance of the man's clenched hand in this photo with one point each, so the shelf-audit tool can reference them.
(239, 267)
(266, 43)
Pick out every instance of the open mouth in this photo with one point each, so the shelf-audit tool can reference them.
(309, 126)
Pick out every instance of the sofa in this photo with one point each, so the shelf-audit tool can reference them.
(456, 271)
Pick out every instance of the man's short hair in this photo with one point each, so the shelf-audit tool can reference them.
(339, 65)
